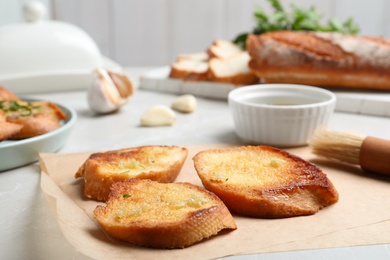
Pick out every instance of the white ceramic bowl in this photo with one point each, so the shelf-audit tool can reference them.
(281, 115)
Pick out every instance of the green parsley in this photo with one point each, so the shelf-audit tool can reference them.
(298, 19)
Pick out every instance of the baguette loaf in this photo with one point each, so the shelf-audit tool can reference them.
(101, 170)
(162, 215)
(261, 181)
(322, 59)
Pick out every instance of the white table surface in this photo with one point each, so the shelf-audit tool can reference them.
(28, 229)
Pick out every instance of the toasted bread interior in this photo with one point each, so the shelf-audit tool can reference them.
(223, 49)
(262, 181)
(189, 69)
(234, 69)
(162, 215)
(158, 163)
(223, 62)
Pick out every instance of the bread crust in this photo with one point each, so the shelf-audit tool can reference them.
(159, 223)
(5, 95)
(223, 49)
(103, 169)
(243, 76)
(191, 70)
(322, 59)
(8, 130)
(223, 62)
(21, 119)
(249, 184)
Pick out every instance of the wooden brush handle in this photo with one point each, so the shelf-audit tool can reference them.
(375, 155)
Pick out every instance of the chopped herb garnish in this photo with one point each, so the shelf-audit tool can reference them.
(20, 107)
(125, 196)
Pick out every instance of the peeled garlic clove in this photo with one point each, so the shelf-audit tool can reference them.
(158, 115)
(109, 91)
(185, 103)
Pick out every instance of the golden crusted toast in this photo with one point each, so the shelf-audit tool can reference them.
(162, 215)
(158, 163)
(262, 181)
(22, 119)
(36, 118)
(7, 129)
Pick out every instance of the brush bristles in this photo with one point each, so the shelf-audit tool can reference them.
(340, 146)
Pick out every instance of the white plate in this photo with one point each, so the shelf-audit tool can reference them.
(22, 152)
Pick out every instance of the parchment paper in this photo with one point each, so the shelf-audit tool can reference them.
(361, 217)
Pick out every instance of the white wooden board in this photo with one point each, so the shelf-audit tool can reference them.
(359, 102)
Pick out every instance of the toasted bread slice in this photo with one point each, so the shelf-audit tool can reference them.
(261, 181)
(6, 95)
(33, 126)
(162, 215)
(36, 117)
(223, 62)
(223, 49)
(158, 163)
(233, 70)
(188, 69)
(7, 130)
(197, 56)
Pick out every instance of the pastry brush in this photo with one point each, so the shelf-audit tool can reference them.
(371, 153)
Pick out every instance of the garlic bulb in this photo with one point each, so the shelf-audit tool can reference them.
(158, 115)
(110, 91)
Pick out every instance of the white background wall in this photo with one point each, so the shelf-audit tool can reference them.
(153, 32)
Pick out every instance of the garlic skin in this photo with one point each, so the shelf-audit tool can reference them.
(158, 115)
(122, 83)
(185, 103)
(109, 91)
